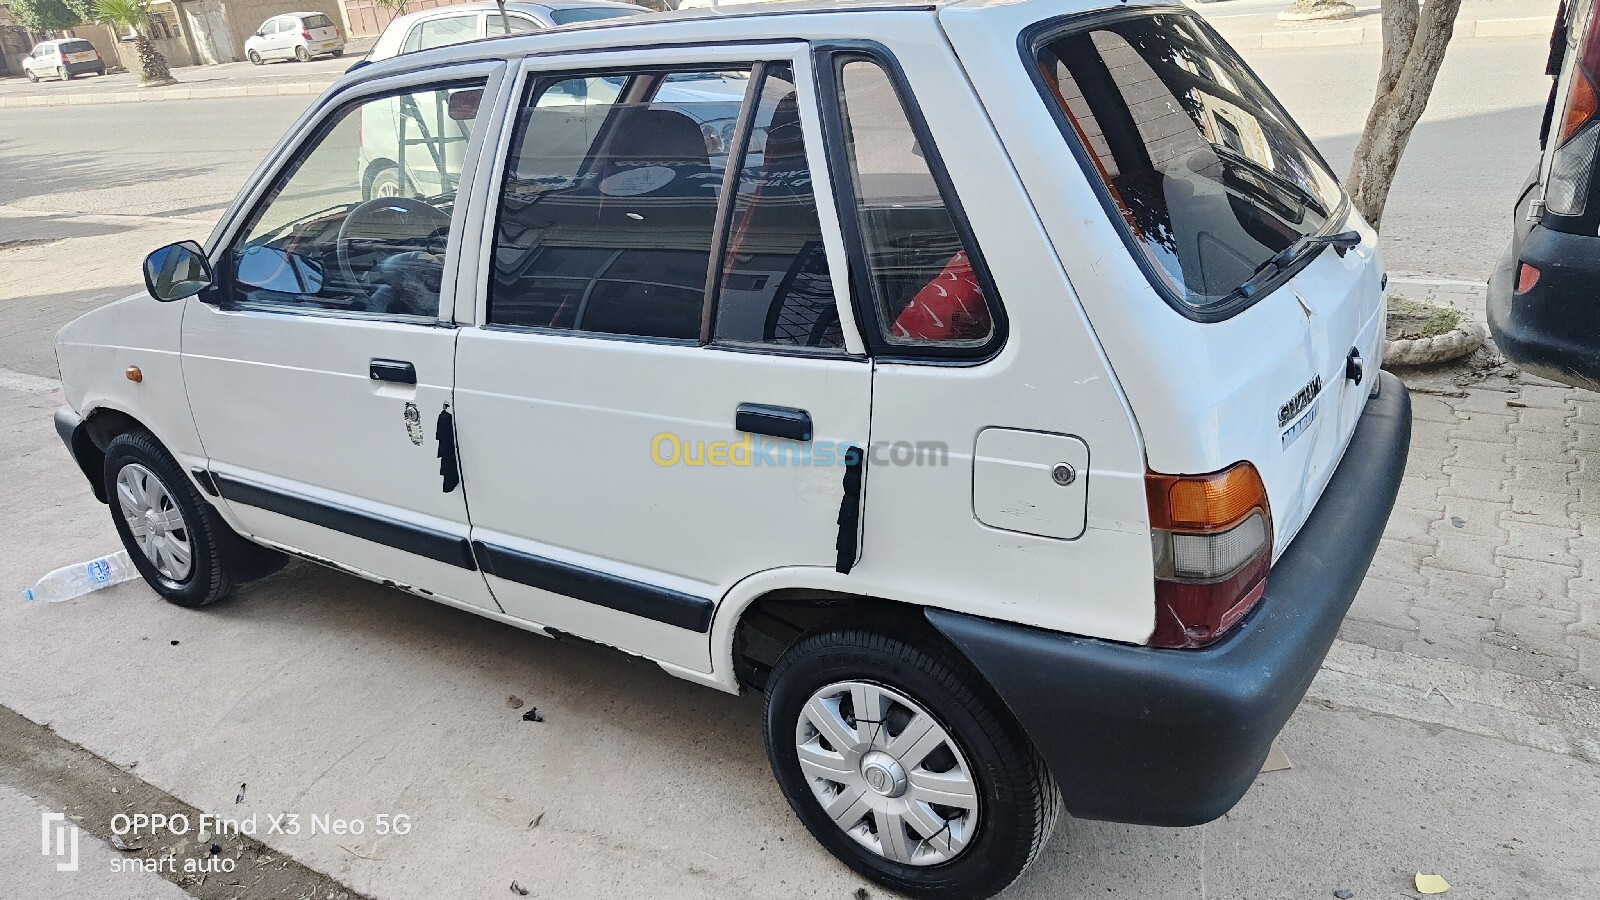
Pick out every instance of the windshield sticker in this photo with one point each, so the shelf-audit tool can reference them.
(1300, 427)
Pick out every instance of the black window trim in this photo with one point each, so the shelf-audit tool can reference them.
(538, 81)
(828, 60)
(223, 294)
(1032, 41)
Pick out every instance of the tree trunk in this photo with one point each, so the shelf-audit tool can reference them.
(1414, 42)
(153, 69)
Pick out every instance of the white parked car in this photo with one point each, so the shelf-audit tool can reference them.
(460, 22)
(62, 59)
(298, 35)
(1002, 397)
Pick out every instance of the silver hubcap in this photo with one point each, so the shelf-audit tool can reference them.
(156, 521)
(387, 188)
(887, 773)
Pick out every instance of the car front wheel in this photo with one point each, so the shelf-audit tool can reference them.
(33, 76)
(170, 532)
(255, 58)
(903, 763)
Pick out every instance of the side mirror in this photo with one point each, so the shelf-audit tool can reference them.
(177, 271)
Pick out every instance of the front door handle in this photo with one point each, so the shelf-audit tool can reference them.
(774, 421)
(393, 370)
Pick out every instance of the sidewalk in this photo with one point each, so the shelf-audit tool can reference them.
(1255, 26)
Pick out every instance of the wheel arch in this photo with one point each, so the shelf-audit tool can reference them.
(766, 613)
(371, 173)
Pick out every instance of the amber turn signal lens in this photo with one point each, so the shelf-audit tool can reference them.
(1580, 107)
(1202, 503)
(135, 374)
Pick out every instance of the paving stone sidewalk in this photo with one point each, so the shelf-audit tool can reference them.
(1490, 557)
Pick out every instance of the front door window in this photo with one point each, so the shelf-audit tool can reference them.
(324, 242)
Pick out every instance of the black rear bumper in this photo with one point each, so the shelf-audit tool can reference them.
(1553, 330)
(1176, 737)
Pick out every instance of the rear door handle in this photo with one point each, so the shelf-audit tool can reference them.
(774, 421)
(393, 370)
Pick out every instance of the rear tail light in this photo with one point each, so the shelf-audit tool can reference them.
(1211, 537)
(1527, 277)
(305, 35)
(1567, 187)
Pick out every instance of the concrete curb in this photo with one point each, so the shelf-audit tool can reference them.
(1343, 35)
(303, 88)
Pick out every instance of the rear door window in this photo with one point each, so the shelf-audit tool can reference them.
(928, 285)
(1207, 173)
(610, 202)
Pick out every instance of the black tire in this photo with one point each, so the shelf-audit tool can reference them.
(302, 54)
(386, 182)
(220, 558)
(255, 58)
(33, 76)
(337, 53)
(64, 74)
(1018, 799)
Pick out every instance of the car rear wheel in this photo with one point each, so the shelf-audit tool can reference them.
(63, 74)
(338, 53)
(904, 764)
(255, 58)
(302, 54)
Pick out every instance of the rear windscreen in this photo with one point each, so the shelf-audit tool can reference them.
(76, 47)
(589, 14)
(1210, 176)
(318, 22)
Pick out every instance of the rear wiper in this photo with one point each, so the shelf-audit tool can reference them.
(1281, 260)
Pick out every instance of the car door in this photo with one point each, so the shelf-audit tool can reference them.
(319, 369)
(276, 37)
(640, 428)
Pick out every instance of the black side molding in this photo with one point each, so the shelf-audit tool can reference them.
(407, 536)
(203, 478)
(774, 421)
(600, 588)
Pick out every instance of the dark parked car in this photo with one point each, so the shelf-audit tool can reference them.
(1543, 308)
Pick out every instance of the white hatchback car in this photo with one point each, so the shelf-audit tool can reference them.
(1003, 399)
(299, 35)
(429, 28)
(62, 59)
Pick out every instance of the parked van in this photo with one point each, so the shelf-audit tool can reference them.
(1541, 302)
(1000, 395)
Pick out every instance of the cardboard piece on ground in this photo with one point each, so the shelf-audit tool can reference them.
(1277, 760)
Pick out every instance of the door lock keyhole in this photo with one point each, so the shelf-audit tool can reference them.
(1063, 474)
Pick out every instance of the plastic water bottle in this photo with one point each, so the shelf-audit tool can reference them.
(78, 579)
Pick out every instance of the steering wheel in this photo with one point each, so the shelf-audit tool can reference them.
(387, 219)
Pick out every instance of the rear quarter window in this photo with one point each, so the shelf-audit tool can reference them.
(1207, 175)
